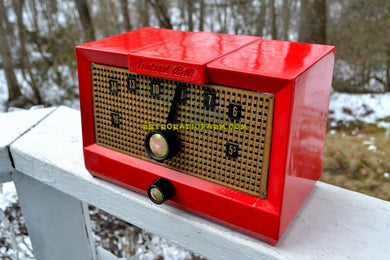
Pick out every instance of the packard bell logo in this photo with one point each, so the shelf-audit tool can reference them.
(178, 71)
(161, 69)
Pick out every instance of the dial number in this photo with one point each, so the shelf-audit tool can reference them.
(235, 111)
(209, 99)
(131, 84)
(115, 119)
(232, 150)
(113, 86)
(155, 88)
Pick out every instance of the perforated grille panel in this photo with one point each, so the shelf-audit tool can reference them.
(224, 133)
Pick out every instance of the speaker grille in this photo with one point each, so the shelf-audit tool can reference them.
(224, 132)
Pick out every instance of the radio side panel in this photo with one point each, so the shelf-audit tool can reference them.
(311, 94)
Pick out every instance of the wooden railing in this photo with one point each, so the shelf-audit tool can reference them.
(41, 152)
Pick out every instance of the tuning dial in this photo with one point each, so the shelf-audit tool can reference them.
(161, 145)
(160, 191)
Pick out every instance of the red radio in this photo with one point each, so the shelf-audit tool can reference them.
(228, 127)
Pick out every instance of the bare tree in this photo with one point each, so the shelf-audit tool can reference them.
(312, 26)
(14, 91)
(143, 12)
(274, 31)
(25, 64)
(161, 9)
(366, 53)
(190, 11)
(201, 15)
(85, 19)
(125, 13)
(221, 18)
(260, 21)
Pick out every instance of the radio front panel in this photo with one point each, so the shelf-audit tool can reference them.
(224, 133)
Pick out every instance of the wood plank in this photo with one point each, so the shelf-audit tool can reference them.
(15, 124)
(12, 126)
(332, 223)
(58, 224)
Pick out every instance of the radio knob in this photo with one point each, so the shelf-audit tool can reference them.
(160, 191)
(161, 145)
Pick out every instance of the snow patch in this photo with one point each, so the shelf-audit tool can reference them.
(8, 195)
(368, 108)
(372, 148)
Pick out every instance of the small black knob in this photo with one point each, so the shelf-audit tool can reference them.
(160, 191)
(161, 145)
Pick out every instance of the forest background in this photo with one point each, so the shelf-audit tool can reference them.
(38, 67)
(38, 36)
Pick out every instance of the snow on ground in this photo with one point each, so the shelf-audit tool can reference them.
(368, 108)
(8, 195)
(14, 243)
(158, 246)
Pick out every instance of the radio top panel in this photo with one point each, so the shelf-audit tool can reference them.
(185, 57)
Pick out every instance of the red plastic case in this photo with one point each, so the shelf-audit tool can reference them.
(298, 75)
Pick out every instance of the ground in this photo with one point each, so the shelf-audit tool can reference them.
(357, 144)
(358, 160)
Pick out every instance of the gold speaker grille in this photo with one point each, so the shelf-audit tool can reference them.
(224, 133)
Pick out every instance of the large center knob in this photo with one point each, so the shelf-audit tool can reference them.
(161, 145)
(158, 145)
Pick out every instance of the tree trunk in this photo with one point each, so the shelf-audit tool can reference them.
(126, 15)
(274, 31)
(225, 17)
(312, 26)
(201, 15)
(260, 21)
(12, 83)
(24, 57)
(143, 13)
(286, 18)
(161, 11)
(85, 19)
(190, 10)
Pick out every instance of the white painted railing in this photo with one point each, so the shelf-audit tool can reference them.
(41, 152)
